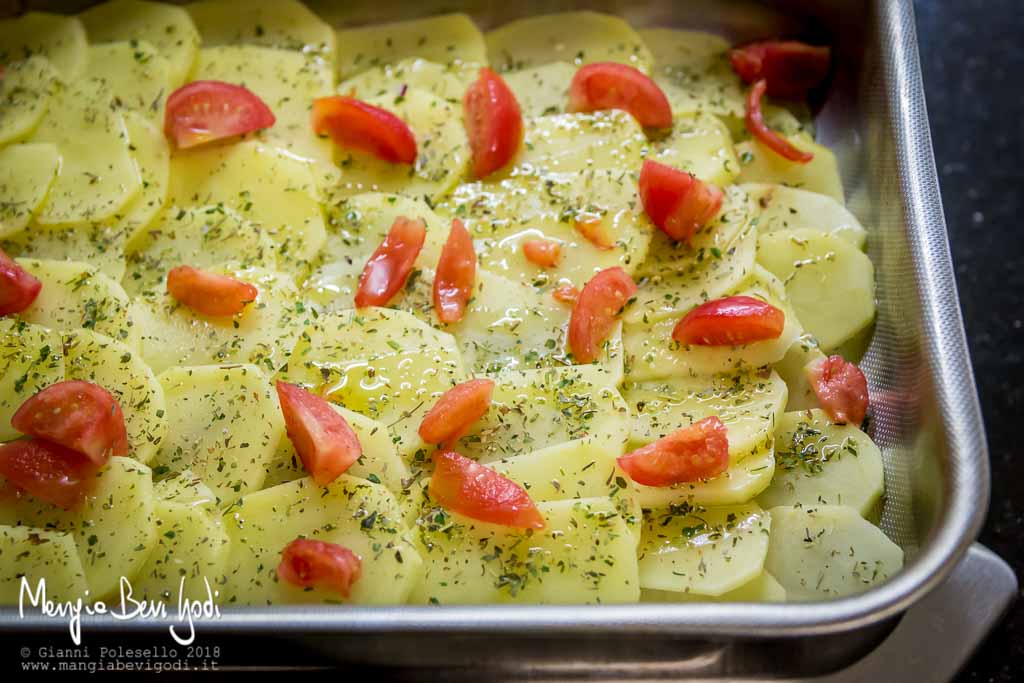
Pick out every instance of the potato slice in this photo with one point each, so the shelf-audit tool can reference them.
(452, 40)
(693, 69)
(788, 208)
(542, 90)
(563, 143)
(31, 359)
(703, 551)
(700, 144)
(819, 463)
(114, 528)
(134, 75)
(120, 370)
(26, 174)
(59, 38)
(282, 24)
(577, 37)
(758, 164)
(25, 93)
(361, 516)
(829, 282)
(447, 81)
(764, 588)
(584, 554)
(226, 426)
(748, 475)
(791, 369)
(32, 555)
(828, 551)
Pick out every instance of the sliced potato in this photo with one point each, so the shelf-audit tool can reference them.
(361, 516)
(447, 81)
(31, 359)
(758, 164)
(26, 174)
(829, 282)
(25, 93)
(37, 557)
(134, 76)
(693, 69)
(542, 90)
(748, 475)
(764, 588)
(703, 551)
(283, 24)
(59, 38)
(828, 551)
(578, 142)
(787, 208)
(577, 37)
(791, 369)
(700, 144)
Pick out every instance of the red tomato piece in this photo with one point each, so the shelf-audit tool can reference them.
(596, 310)
(323, 439)
(18, 287)
(456, 411)
(541, 252)
(768, 137)
(677, 202)
(78, 415)
(595, 231)
(567, 294)
(841, 388)
(493, 121)
(471, 489)
(607, 85)
(209, 293)
(730, 321)
(456, 273)
(388, 268)
(309, 563)
(203, 111)
(48, 471)
(789, 67)
(700, 451)
(354, 124)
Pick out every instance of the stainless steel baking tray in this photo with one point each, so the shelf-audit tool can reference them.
(925, 415)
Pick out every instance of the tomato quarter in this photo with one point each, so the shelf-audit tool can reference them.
(471, 489)
(388, 268)
(308, 563)
(677, 202)
(209, 293)
(204, 111)
(731, 321)
(789, 67)
(596, 310)
(759, 129)
(323, 439)
(354, 124)
(455, 275)
(700, 451)
(841, 388)
(456, 411)
(48, 471)
(18, 287)
(494, 123)
(608, 85)
(541, 252)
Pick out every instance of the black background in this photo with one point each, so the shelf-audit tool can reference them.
(972, 54)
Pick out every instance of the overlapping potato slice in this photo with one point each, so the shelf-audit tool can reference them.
(39, 558)
(26, 174)
(764, 588)
(59, 38)
(31, 359)
(134, 75)
(789, 208)
(791, 368)
(362, 516)
(758, 164)
(541, 90)
(447, 80)
(283, 24)
(564, 143)
(25, 92)
(698, 143)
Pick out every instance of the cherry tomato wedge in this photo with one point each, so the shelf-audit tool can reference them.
(388, 268)
(204, 111)
(567, 294)
(471, 489)
(596, 310)
(731, 321)
(769, 138)
(841, 388)
(494, 123)
(595, 231)
(608, 85)
(209, 293)
(78, 415)
(541, 252)
(456, 273)
(700, 451)
(318, 564)
(354, 124)
(456, 411)
(789, 67)
(48, 471)
(18, 287)
(323, 439)
(677, 202)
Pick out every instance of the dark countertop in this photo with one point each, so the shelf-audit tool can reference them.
(973, 57)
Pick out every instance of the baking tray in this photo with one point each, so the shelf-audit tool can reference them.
(925, 412)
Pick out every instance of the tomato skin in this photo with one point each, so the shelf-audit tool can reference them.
(841, 388)
(455, 275)
(678, 203)
(18, 287)
(308, 563)
(596, 310)
(456, 411)
(730, 321)
(566, 294)
(388, 268)
(204, 111)
(209, 293)
(494, 122)
(791, 68)
(543, 253)
(608, 85)
(754, 121)
(77, 415)
(595, 231)
(700, 451)
(471, 489)
(323, 439)
(48, 471)
(354, 124)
